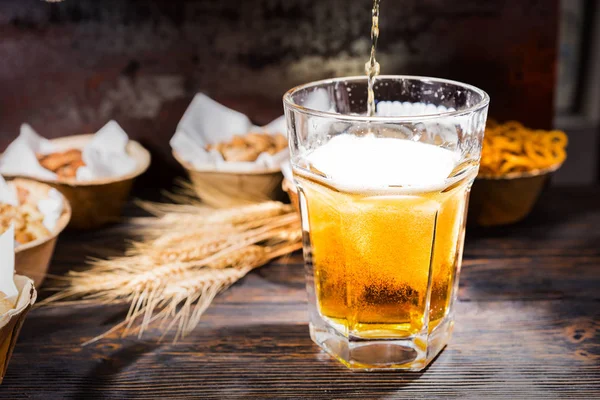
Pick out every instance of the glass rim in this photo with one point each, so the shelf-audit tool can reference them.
(289, 103)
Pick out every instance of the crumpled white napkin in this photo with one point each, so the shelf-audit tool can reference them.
(51, 207)
(207, 122)
(20, 156)
(105, 155)
(7, 265)
(8, 193)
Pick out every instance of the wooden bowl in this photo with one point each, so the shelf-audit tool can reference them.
(98, 202)
(221, 189)
(508, 199)
(11, 322)
(33, 259)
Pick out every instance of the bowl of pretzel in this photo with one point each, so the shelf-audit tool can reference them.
(516, 165)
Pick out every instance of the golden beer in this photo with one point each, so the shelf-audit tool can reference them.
(383, 194)
(376, 254)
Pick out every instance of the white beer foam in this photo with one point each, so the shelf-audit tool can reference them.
(370, 163)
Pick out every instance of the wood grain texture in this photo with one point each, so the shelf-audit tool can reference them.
(528, 327)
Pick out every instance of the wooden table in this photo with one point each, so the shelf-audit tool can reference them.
(528, 326)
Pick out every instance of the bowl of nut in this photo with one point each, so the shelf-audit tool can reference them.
(38, 213)
(229, 160)
(95, 172)
(98, 201)
(227, 188)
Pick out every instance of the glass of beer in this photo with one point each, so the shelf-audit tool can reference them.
(383, 201)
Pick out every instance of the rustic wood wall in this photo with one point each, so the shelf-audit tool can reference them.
(68, 67)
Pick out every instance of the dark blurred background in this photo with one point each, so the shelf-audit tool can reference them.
(67, 67)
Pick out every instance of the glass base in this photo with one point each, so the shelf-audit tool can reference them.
(409, 354)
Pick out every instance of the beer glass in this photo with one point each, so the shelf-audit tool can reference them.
(383, 202)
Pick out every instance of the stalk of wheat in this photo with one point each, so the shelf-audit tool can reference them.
(187, 254)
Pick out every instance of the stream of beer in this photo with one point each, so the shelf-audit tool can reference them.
(372, 66)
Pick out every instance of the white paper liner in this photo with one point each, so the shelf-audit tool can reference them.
(52, 208)
(7, 265)
(22, 299)
(8, 193)
(207, 122)
(105, 155)
(20, 157)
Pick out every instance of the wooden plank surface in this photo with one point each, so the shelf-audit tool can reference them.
(528, 326)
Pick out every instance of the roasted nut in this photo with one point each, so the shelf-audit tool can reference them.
(238, 141)
(240, 154)
(22, 195)
(64, 164)
(280, 142)
(249, 147)
(261, 142)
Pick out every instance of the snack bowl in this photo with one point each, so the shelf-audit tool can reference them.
(222, 189)
(506, 199)
(33, 259)
(11, 321)
(100, 201)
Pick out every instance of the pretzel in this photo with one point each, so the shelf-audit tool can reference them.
(510, 147)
